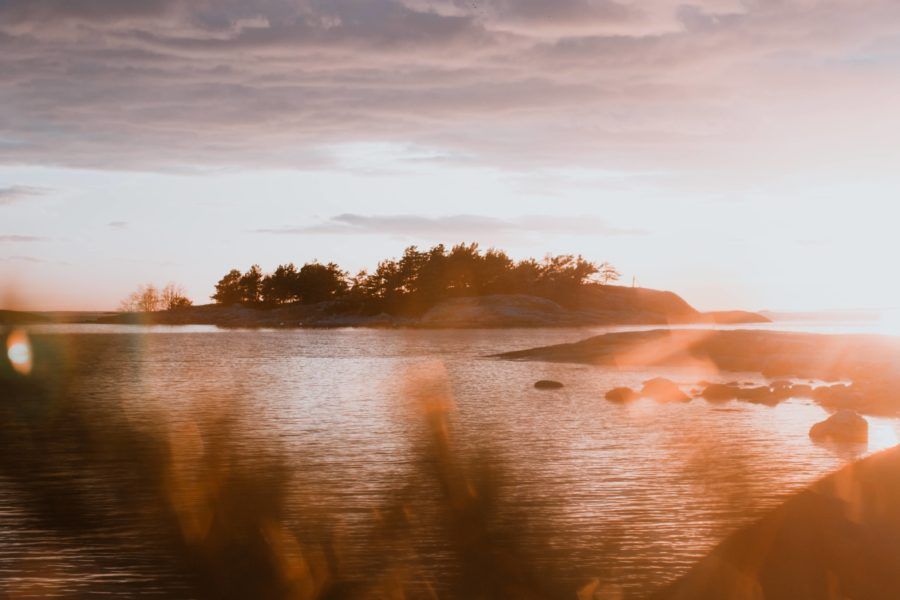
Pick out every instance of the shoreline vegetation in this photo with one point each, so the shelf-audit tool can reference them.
(459, 287)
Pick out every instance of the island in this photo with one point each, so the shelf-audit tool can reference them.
(458, 287)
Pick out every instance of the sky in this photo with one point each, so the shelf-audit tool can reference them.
(741, 153)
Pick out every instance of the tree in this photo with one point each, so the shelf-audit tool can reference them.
(317, 282)
(608, 273)
(228, 290)
(282, 286)
(173, 297)
(145, 299)
(250, 285)
(417, 281)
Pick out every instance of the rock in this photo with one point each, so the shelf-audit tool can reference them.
(842, 426)
(663, 390)
(547, 384)
(499, 310)
(801, 390)
(760, 395)
(827, 393)
(834, 539)
(622, 395)
(719, 392)
(840, 397)
(781, 384)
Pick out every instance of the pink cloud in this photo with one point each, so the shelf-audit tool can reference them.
(175, 84)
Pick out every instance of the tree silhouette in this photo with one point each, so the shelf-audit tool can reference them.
(282, 286)
(608, 273)
(147, 298)
(228, 290)
(251, 286)
(416, 281)
(173, 297)
(317, 282)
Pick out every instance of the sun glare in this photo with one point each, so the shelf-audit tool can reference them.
(18, 349)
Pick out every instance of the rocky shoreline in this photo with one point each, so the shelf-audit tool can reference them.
(595, 305)
(858, 372)
(609, 306)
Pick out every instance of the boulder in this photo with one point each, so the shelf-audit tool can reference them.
(781, 385)
(828, 393)
(719, 392)
(622, 395)
(801, 390)
(547, 384)
(842, 426)
(840, 397)
(663, 390)
(760, 395)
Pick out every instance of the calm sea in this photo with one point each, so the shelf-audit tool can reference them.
(630, 494)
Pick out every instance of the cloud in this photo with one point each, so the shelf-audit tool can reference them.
(620, 84)
(117, 224)
(13, 238)
(18, 193)
(29, 259)
(454, 225)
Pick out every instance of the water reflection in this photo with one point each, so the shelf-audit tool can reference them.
(287, 463)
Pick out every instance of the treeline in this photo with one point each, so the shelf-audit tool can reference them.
(149, 298)
(415, 282)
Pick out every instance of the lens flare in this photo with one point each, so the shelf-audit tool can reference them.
(18, 350)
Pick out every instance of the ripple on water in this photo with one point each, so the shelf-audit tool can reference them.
(631, 493)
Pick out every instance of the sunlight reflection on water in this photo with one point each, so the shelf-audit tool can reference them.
(633, 493)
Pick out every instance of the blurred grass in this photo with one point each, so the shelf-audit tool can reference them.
(209, 507)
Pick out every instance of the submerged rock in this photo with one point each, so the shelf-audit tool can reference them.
(663, 390)
(622, 395)
(547, 384)
(842, 426)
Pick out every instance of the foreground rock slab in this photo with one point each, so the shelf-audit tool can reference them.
(840, 538)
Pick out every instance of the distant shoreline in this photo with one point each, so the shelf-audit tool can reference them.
(619, 306)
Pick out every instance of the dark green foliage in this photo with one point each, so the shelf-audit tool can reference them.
(228, 290)
(318, 283)
(251, 286)
(281, 286)
(417, 281)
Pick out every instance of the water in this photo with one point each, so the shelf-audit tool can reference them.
(629, 494)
